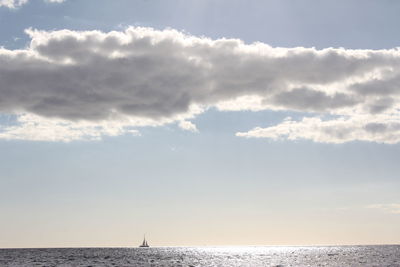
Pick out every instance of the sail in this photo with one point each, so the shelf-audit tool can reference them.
(144, 243)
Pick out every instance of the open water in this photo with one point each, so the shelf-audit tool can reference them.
(218, 256)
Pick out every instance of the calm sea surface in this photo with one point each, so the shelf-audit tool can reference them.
(219, 256)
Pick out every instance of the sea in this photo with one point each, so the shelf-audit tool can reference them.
(205, 256)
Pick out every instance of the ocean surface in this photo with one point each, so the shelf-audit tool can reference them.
(210, 256)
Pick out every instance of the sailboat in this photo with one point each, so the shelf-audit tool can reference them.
(144, 244)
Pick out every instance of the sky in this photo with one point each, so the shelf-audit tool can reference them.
(199, 123)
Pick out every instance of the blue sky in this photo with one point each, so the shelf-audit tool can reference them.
(85, 184)
(350, 24)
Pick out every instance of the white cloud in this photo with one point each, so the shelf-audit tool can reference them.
(393, 208)
(12, 3)
(381, 129)
(188, 126)
(18, 3)
(146, 77)
(35, 128)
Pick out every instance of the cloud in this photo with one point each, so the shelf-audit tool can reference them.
(12, 3)
(389, 208)
(304, 99)
(146, 77)
(35, 128)
(383, 129)
(188, 126)
(18, 3)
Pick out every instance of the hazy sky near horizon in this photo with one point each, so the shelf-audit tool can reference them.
(199, 122)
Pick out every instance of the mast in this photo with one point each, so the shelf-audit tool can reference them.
(144, 243)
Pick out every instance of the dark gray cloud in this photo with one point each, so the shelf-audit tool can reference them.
(380, 87)
(305, 99)
(154, 75)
